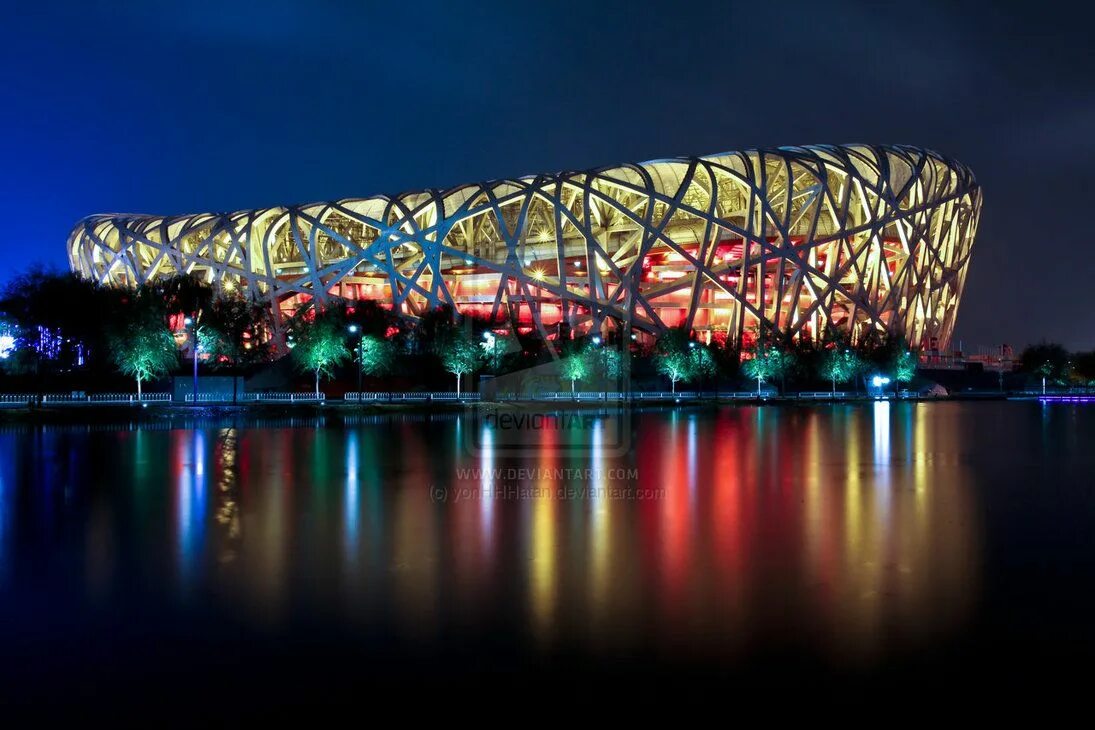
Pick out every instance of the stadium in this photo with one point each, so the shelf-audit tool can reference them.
(806, 241)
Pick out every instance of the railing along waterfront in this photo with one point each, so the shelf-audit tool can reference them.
(412, 396)
(78, 399)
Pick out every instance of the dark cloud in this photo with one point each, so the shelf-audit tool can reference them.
(185, 106)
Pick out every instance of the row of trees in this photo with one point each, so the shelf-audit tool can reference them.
(1055, 365)
(373, 339)
(59, 323)
(52, 322)
(139, 332)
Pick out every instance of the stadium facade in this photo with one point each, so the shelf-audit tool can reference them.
(855, 238)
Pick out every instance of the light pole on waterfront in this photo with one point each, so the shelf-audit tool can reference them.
(193, 326)
(354, 330)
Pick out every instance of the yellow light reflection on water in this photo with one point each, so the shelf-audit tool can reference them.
(543, 580)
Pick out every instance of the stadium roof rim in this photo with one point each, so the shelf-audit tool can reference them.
(802, 151)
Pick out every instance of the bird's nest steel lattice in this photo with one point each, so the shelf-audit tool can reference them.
(796, 239)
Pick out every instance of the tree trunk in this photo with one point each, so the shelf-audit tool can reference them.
(572, 386)
(138, 389)
(834, 387)
(317, 383)
(458, 385)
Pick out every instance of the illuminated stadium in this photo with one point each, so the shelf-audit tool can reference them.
(863, 239)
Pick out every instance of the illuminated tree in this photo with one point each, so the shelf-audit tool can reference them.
(682, 359)
(576, 367)
(673, 365)
(459, 353)
(840, 365)
(495, 347)
(766, 364)
(903, 367)
(318, 346)
(142, 347)
(607, 361)
(701, 362)
(215, 344)
(376, 355)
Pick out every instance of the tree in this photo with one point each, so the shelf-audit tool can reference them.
(766, 364)
(433, 328)
(140, 344)
(234, 331)
(371, 318)
(701, 362)
(60, 317)
(840, 364)
(1084, 367)
(607, 361)
(576, 367)
(318, 346)
(671, 357)
(1046, 360)
(459, 353)
(903, 367)
(185, 294)
(682, 359)
(215, 344)
(495, 347)
(376, 355)
(673, 365)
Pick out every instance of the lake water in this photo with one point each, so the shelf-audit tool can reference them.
(233, 561)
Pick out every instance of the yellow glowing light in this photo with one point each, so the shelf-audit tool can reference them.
(537, 274)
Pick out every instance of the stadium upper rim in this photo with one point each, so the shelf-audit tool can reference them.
(811, 152)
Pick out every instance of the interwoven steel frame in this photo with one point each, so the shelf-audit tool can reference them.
(798, 239)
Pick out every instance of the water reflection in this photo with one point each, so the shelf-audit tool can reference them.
(848, 529)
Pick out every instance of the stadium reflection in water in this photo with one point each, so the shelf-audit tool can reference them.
(849, 532)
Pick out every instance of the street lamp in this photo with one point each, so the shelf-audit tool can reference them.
(360, 339)
(879, 381)
(189, 322)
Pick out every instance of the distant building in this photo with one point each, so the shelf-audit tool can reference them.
(856, 238)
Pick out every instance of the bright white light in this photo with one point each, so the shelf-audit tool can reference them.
(353, 329)
(878, 381)
(596, 340)
(7, 346)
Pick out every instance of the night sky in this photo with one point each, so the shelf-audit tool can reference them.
(205, 105)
